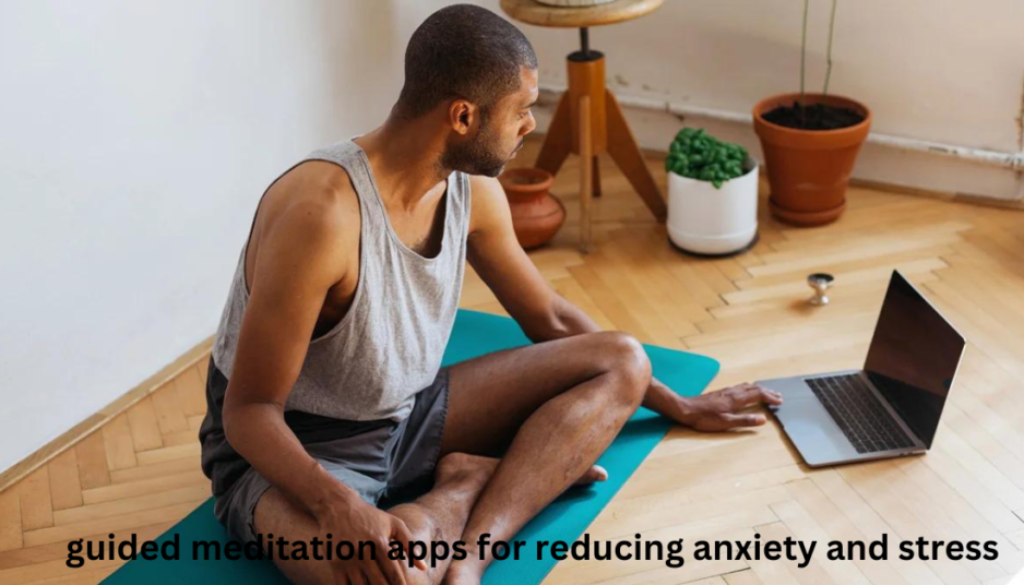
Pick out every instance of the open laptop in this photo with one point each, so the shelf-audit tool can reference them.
(891, 407)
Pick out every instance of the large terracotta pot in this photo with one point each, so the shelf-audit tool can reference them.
(809, 170)
(536, 214)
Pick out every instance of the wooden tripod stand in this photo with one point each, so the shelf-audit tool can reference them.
(588, 121)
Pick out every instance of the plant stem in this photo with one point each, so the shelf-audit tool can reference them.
(831, 30)
(803, 57)
(803, 66)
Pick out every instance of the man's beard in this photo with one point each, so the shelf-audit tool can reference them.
(479, 156)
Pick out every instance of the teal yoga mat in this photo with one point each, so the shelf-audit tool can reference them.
(565, 519)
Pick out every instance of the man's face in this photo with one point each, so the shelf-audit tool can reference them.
(501, 133)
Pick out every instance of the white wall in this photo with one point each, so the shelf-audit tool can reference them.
(135, 140)
(937, 70)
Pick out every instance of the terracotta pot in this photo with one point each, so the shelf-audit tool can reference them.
(536, 214)
(809, 170)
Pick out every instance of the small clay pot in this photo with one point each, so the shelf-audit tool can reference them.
(536, 214)
(809, 170)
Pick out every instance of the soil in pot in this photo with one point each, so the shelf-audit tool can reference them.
(814, 117)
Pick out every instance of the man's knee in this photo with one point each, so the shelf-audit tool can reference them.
(625, 358)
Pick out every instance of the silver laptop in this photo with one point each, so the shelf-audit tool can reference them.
(891, 407)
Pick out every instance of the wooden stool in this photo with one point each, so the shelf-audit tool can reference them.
(589, 120)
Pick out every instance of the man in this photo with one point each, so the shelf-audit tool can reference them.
(327, 404)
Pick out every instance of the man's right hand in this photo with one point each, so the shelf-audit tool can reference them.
(359, 522)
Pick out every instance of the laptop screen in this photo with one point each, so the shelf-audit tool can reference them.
(913, 357)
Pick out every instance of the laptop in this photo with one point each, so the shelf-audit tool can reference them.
(892, 407)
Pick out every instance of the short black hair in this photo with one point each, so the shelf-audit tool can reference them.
(463, 51)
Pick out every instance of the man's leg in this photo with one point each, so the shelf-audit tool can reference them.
(439, 515)
(550, 410)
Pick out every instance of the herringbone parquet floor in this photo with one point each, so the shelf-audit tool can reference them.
(140, 472)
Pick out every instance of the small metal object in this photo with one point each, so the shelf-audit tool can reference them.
(820, 282)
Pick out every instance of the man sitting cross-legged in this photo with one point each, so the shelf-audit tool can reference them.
(327, 402)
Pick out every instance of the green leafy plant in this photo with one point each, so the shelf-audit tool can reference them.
(698, 155)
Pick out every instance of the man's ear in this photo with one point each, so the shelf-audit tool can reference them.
(462, 115)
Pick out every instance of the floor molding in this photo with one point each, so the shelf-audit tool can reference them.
(71, 437)
(892, 169)
(969, 198)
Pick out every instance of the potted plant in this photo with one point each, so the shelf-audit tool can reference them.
(810, 143)
(712, 195)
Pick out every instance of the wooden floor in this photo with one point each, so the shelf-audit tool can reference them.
(140, 473)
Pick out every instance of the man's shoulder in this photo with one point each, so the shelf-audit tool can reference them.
(484, 185)
(489, 201)
(487, 195)
(317, 195)
(313, 209)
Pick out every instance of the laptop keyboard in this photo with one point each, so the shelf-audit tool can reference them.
(859, 413)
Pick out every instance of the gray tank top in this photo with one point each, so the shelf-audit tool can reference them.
(389, 345)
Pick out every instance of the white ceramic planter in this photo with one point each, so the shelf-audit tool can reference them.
(705, 220)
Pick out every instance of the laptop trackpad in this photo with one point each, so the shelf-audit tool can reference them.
(818, 438)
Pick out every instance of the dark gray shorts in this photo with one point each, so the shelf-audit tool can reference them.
(386, 462)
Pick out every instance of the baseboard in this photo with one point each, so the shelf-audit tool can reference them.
(65, 441)
(878, 166)
(969, 198)
(988, 201)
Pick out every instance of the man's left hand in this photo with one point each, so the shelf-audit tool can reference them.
(721, 410)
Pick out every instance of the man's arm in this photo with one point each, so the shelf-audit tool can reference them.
(294, 269)
(500, 261)
(301, 257)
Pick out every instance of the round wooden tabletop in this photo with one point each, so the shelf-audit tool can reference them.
(533, 12)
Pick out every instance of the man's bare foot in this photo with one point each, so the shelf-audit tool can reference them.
(468, 474)
(465, 472)
(472, 472)
(595, 474)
